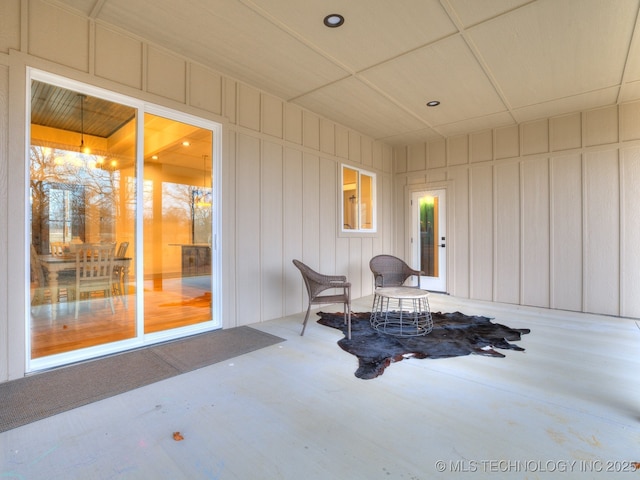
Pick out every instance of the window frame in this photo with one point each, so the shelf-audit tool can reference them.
(141, 338)
(358, 212)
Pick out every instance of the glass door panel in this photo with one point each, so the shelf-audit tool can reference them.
(82, 194)
(177, 219)
(428, 235)
(429, 227)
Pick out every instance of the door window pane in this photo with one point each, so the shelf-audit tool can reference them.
(428, 235)
(82, 182)
(177, 224)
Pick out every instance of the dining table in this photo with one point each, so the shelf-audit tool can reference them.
(53, 265)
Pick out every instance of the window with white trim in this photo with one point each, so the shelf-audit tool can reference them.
(358, 200)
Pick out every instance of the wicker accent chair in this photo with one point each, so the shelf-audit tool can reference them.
(390, 271)
(317, 283)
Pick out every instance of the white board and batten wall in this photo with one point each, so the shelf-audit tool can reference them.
(280, 166)
(545, 214)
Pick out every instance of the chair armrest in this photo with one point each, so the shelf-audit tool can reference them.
(346, 286)
(335, 278)
(419, 273)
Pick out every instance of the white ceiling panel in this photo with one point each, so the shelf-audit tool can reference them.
(552, 49)
(490, 62)
(629, 92)
(229, 37)
(409, 138)
(471, 12)
(446, 71)
(83, 6)
(632, 67)
(585, 101)
(372, 33)
(361, 107)
(484, 122)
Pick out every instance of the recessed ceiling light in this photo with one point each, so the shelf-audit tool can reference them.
(186, 144)
(333, 20)
(433, 103)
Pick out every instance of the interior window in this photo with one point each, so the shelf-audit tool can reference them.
(358, 200)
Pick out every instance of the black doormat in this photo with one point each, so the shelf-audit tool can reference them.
(44, 394)
(453, 335)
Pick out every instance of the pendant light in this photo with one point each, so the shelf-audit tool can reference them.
(83, 149)
(203, 198)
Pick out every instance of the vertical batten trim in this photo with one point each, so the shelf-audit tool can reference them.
(585, 233)
(494, 233)
(621, 216)
(549, 231)
(187, 83)
(552, 247)
(260, 224)
(468, 173)
(91, 54)
(583, 196)
(236, 233)
(521, 230)
(283, 210)
(145, 67)
(621, 233)
(24, 26)
(470, 230)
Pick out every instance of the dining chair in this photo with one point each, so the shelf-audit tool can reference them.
(41, 293)
(390, 271)
(57, 248)
(317, 283)
(118, 270)
(94, 272)
(38, 296)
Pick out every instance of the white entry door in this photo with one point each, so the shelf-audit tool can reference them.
(429, 238)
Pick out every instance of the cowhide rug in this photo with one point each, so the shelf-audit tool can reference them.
(453, 335)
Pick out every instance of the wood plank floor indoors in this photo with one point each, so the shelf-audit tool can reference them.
(174, 303)
(569, 404)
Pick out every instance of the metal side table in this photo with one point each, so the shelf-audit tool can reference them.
(401, 311)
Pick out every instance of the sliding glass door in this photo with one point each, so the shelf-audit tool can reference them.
(108, 178)
(177, 231)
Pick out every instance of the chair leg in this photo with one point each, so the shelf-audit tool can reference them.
(109, 298)
(347, 319)
(37, 300)
(304, 324)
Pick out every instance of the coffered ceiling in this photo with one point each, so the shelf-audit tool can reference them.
(490, 63)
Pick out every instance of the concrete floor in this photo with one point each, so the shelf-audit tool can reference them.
(568, 405)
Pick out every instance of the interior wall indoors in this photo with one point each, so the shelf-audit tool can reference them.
(280, 172)
(542, 214)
